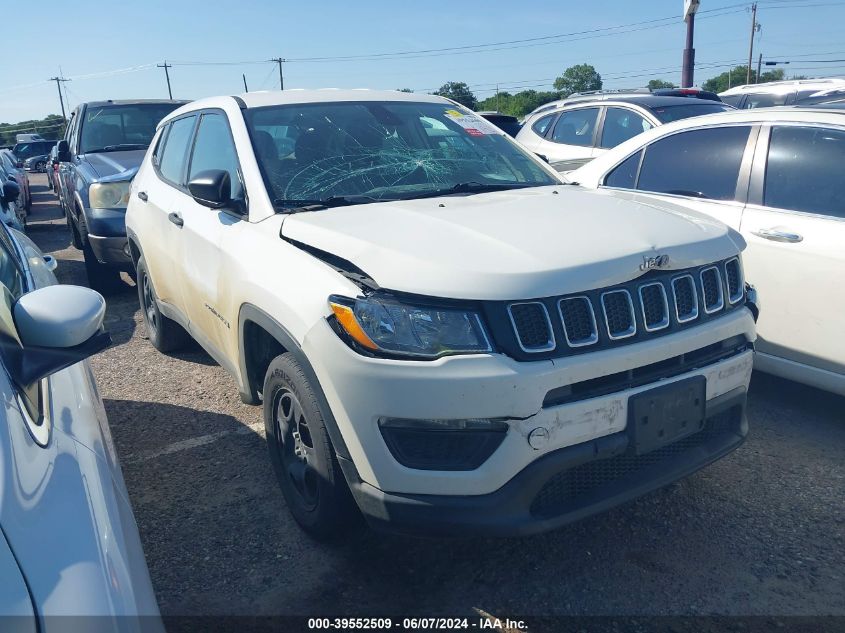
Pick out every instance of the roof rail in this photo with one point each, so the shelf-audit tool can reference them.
(593, 93)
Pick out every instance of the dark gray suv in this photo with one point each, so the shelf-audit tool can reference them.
(104, 144)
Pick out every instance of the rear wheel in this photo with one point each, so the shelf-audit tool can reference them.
(165, 334)
(103, 278)
(39, 166)
(302, 454)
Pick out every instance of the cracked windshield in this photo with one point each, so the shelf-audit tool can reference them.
(384, 151)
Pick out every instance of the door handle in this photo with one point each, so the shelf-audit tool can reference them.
(142, 195)
(176, 219)
(778, 236)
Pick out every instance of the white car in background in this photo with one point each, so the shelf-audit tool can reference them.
(69, 545)
(778, 93)
(573, 131)
(775, 175)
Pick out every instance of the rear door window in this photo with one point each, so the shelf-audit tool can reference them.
(698, 163)
(804, 170)
(175, 153)
(620, 124)
(576, 127)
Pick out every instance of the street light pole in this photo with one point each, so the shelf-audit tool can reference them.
(688, 68)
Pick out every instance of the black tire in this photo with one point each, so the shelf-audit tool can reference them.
(303, 458)
(39, 167)
(165, 334)
(103, 278)
(74, 232)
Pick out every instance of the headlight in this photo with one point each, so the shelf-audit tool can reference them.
(382, 324)
(109, 195)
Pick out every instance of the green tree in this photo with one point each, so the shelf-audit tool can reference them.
(518, 104)
(654, 84)
(578, 78)
(736, 77)
(50, 127)
(460, 92)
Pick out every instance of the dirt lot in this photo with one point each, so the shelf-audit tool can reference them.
(761, 532)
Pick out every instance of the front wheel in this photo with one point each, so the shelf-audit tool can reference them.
(302, 454)
(165, 334)
(39, 167)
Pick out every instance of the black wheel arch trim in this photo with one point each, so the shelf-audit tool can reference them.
(251, 313)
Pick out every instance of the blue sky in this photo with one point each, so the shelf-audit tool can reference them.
(89, 39)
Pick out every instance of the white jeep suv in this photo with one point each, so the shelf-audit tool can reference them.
(442, 334)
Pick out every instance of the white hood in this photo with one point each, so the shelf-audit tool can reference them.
(516, 244)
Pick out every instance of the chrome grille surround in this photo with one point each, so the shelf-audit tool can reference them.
(550, 342)
(735, 265)
(710, 308)
(594, 330)
(616, 334)
(693, 290)
(664, 322)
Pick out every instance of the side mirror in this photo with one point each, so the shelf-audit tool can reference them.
(58, 326)
(10, 192)
(543, 157)
(212, 188)
(63, 152)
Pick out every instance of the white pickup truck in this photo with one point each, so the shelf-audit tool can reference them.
(444, 337)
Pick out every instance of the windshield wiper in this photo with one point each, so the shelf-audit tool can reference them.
(116, 148)
(470, 187)
(298, 206)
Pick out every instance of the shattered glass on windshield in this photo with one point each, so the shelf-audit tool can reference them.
(384, 150)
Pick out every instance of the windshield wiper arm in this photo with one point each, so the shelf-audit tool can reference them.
(299, 206)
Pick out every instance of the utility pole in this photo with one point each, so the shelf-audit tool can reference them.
(759, 64)
(59, 81)
(245, 87)
(165, 65)
(279, 61)
(687, 70)
(751, 44)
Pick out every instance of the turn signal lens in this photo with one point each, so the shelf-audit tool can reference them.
(346, 318)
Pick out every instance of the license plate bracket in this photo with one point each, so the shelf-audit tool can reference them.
(666, 414)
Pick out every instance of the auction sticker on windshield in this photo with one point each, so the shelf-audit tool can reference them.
(472, 123)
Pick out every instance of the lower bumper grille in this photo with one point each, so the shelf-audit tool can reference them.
(582, 484)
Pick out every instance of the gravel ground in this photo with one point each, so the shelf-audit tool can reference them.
(758, 533)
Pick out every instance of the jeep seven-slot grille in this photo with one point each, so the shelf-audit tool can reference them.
(532, 325)
(657, 303)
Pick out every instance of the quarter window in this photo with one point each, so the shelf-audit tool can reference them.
(542, 125)
(804, 170)
(215, 149)
(624, 176)
(764, 100)
(576, 127)
(699, 163)
(620, 124)
(175, 153)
